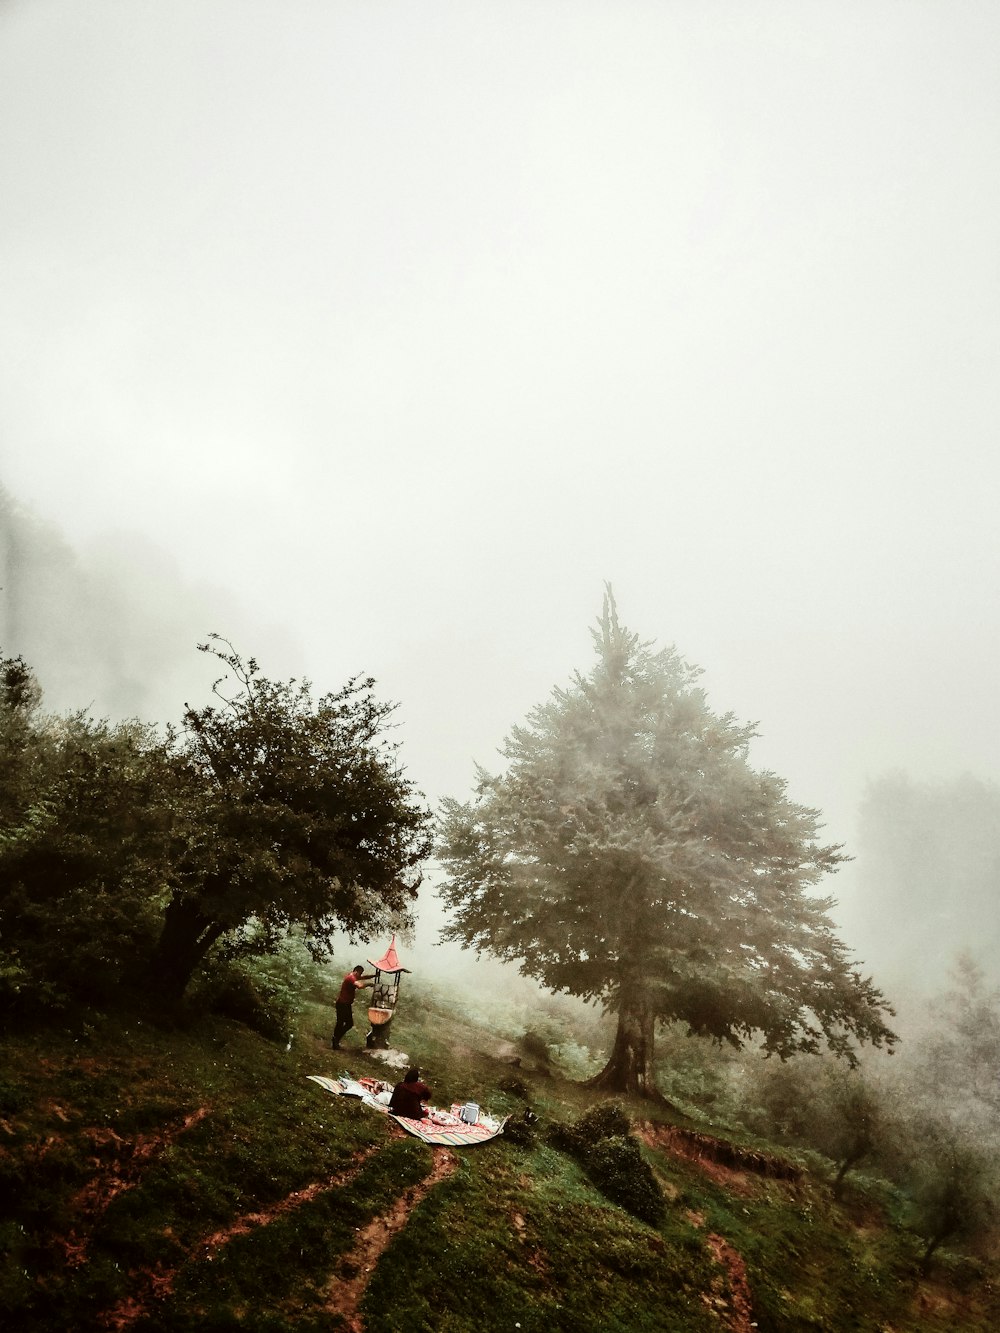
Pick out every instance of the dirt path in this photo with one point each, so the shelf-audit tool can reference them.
(733, 1168)
(113, 1177)
(737, 1312)
(348, 1284)
(156, 1284)
(356, 1267)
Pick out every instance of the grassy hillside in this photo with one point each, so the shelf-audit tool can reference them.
(175, 1178)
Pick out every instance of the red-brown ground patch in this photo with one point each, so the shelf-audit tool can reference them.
(735, 1308)
(156, 1284)
(118, 1165)
(348, 1284)
(729, 1165)
(736, 1311)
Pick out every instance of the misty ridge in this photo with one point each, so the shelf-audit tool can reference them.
(111, 630)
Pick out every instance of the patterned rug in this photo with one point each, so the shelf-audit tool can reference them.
(439, 1127)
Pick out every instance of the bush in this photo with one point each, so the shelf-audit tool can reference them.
(619, 1170)
(522, 1129)
(536, 1046)
(603, 1143)
(238, 995)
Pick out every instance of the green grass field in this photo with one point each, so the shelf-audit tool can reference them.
(192, 1177)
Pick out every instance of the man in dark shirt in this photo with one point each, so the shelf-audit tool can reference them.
(407, 1096)
(352, 983)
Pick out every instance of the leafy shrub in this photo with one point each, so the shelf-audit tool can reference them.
(619, 1170)
(267, 992)
(536, 1046)
(603, 1143)
(521, 1129)
(603, 1120)
(236, 994)
(515, 1086)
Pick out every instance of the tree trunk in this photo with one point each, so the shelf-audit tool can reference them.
(186, 938)
(850, 1160)
(925, 1262)
(630, 1068)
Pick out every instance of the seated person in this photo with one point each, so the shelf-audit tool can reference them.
(407, 1096)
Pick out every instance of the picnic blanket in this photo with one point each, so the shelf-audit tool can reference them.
(438, 1127)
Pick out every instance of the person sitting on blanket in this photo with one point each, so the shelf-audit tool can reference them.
(407, 1096)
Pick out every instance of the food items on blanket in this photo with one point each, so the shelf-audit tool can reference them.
(437, 1117)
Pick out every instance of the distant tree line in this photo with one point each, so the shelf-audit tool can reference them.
(927, 1121)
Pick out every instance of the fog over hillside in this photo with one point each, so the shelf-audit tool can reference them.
(113, 627)
(378, 339)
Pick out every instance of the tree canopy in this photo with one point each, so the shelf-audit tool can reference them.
(130, 853)
(298, 814)
(630, 854)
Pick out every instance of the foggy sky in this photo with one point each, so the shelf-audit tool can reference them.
(405, 326)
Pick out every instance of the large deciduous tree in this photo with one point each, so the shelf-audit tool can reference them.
(630, 854)
(295, 811)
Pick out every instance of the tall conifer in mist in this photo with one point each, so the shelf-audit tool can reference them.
(631, 855)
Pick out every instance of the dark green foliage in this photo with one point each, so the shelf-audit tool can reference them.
(304, 818)
(601, 1139)
(601, 1121)
(521, 1129)
(126, 858)
(619, 1170)
(237, 995)
(536, 1046)
(819, 1103)
(630, 854)
(84, 850)
(515, 1086)
(953, 1184)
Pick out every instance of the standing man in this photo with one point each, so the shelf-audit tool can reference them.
(353, 982)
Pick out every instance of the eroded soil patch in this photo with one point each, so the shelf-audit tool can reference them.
(727, 1164)
(355, 1268)
(157, 1284)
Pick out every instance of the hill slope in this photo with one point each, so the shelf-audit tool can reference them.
(170, 1178)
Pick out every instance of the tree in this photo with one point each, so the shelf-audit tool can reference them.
(819, 1103)
(961, 1058)
(630, 854)
(289, 811)
(953, 1185)
(82, 847)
